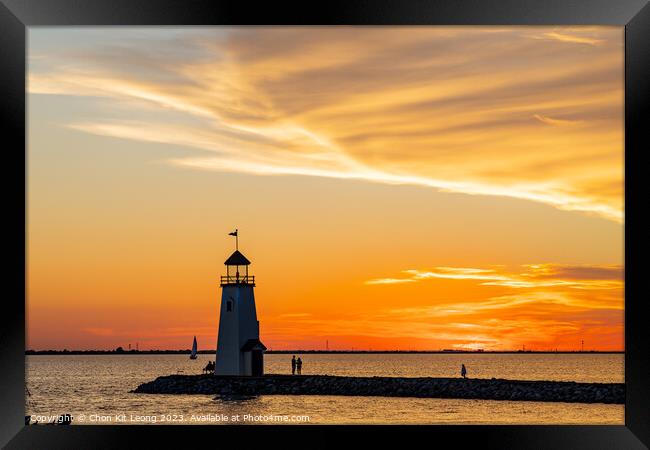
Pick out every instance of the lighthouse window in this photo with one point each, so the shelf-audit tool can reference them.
(229, 306)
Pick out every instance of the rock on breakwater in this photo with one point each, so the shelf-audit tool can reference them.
(484, 389)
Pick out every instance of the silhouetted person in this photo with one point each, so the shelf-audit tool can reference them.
(463, 371)
(293, 365)
(299, 366)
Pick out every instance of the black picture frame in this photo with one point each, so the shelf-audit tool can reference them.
(17, 15)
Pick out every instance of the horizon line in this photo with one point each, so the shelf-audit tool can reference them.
(183, 351)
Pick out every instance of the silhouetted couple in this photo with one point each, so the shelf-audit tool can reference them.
(209, 368)
(296, 364)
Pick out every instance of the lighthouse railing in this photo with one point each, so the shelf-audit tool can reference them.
(234, 279)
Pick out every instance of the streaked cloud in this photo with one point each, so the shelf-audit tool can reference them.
(544, 306)
(458, 273)
(390, 281)
(539, 321)
(533, 276)
(552, 121)
(438, 107)
(564, 37)
(577, 272)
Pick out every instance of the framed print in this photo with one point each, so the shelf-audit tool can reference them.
(251, 222)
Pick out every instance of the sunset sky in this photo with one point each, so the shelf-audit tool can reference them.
(394, 187)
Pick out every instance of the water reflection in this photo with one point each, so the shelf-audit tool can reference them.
(95, 388)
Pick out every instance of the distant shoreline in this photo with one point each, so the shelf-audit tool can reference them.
(326, 352)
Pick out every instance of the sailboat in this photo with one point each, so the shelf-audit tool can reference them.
(193, 355)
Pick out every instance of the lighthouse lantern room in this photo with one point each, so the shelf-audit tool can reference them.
(239, 349)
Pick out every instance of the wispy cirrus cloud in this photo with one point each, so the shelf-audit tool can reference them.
(543, 306)
(434, 107)
(533, 276)
(576, 272)
(552, 121)
(390, 281)
(540, 320)
(572, 38)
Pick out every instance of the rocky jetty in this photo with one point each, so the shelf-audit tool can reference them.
(485, 389)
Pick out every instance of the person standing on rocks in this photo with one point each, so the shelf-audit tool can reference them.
(293, 365)
(463, 371)
(299, 366)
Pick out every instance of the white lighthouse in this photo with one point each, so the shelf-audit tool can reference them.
(239, 349)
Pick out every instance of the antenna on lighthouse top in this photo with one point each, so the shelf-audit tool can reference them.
(234, 233)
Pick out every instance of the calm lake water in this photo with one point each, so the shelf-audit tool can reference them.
(95, 390)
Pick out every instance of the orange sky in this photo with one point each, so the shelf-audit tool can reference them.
(395, 188)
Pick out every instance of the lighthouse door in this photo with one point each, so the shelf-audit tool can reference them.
(257, 363)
